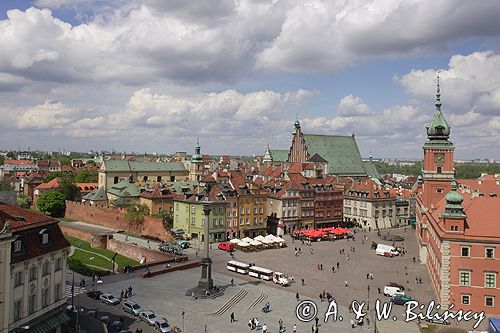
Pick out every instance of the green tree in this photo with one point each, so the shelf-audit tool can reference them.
(91, 162)
(86, 176)
(68, 188)
(12, 155)
(136, 213)
(5, 185)
(52, 175)
(2, 159)
(52, 203)
(23, 201)
(65, 160)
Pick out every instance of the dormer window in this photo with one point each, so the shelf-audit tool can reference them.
(18, 245)
(44, 236)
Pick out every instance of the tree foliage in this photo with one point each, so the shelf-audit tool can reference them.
(136, 213)
(52, 203)
(2, 159)
(23, 201)
(12, 155)
(86, 176)
(57, 174)
(65, 160)
(68, 188)
(462, 171)
(5, 185)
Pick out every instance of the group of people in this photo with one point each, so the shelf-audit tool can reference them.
(254, 324)
(266, 308)
(127, 293)
(326, 296)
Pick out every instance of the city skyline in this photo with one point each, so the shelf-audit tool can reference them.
(153, 76)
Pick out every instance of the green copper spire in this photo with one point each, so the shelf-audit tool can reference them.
(453, 207)
(438, 129)
(296, 125)
(197, 152)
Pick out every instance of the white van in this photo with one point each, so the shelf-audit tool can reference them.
(391, 291)
(386, 250)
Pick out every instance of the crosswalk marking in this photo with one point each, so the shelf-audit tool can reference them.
(77, 291)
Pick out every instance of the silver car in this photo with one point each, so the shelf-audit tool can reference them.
(132, 307)
(109, 299)
(148, 317)
(162, 326)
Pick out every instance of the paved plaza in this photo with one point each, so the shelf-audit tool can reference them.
(165, 294)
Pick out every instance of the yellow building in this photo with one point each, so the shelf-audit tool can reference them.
(158, 199)
(252, 201)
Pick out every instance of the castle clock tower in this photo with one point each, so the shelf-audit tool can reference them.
(438, 169)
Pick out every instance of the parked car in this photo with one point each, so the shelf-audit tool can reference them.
(395, 284)
(391, 291)
(226, 246)
(115, 327)
(162, 326)
(171, 249)
(95, 294)
(108, 298)
(184, 244)
(438, 321)
(400, 299)
(148, 317)
(132, 307)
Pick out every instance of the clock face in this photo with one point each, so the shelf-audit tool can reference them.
(439, 158)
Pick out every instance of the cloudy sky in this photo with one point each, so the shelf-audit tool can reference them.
(152, 75)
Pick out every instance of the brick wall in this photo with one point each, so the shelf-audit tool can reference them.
(113, 217)
(81, 234)
(136, 252)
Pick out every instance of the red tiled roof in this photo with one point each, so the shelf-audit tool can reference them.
(17, 162)
(485, 184)
(372, 189)
(53, 184)
(158, 192)
(87, 187)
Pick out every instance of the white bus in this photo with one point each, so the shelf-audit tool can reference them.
(238, 267)
(261, 273)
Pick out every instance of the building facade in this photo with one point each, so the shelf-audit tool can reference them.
(35, 288)
(458, 232)
(370, 206)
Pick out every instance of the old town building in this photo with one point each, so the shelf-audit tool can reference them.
(458, 230)
(33, 268)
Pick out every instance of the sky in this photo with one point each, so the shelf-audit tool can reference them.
(153, 75)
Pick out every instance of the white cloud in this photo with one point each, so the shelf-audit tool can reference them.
(350, 106)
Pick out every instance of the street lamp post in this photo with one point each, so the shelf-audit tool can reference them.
(73, 292)
(368, 304)
(183, 313)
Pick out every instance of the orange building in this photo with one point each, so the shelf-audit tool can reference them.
(458, 228)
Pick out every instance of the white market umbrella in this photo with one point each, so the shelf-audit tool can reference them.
(279, 239)
(243, 244)
(270, 238)
(234, 241)
(255, 243)
(259, 238)
(246, 240)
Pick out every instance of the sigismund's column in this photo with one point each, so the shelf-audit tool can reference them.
(206, 283)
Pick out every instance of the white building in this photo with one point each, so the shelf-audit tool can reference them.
(33, 253)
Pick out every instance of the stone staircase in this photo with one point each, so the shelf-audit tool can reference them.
(231, 303)
(261, 298)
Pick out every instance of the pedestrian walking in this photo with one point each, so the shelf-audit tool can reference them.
(232, 317)
(316, 320)
(264, 328)
(345, 283)
(300, 250)
(320, 297)
(294, 330)
(338, 265)
(333, 269)
(303, 283)
(321, 266)
(378, 289)
(297, 296)
(280, 323)
(311, 250)
(352, 323)
(250, 324)
(232, 282)
(367, 276)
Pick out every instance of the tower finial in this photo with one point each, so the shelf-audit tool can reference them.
(438, 92)
(198, 140)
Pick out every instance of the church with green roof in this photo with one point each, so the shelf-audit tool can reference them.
(341, 153)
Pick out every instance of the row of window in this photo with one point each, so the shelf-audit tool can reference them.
(489, 279)
(33, 272)
(247, 220)
(32, 301)
(489, 301)
(256, 210)
(489, 252)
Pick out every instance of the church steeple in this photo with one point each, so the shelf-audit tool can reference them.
(453, 207)
(438, 129)
(296, 125)
(267, 155)
(197, 152)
